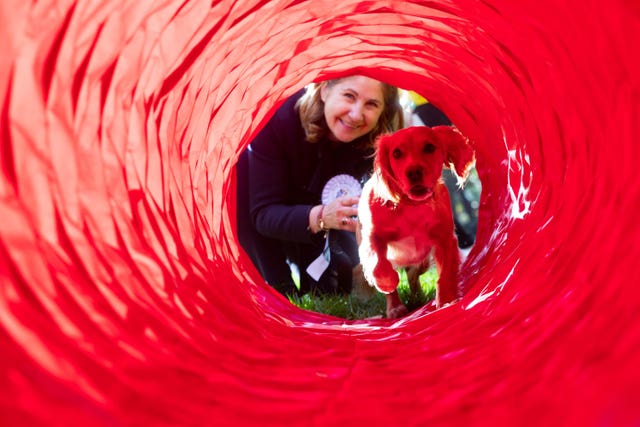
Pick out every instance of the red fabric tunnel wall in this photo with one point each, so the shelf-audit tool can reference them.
(125, 299)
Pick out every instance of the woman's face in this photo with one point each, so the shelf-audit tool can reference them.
(352, 107)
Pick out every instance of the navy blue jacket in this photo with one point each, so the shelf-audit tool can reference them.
(280, 178)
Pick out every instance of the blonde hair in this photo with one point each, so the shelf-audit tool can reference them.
(311, 109)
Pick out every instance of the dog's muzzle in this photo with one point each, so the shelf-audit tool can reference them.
(417, 190)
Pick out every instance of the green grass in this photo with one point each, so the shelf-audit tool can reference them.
(354, 307)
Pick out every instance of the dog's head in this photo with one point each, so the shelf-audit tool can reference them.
(410, 161)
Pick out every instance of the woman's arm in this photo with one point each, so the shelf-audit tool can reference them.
(273, 211)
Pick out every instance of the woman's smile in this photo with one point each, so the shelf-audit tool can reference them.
(349, 124)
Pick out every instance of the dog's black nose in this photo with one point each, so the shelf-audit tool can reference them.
(414, 174)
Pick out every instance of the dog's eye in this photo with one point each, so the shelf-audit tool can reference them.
(428, 148)
(397, 153)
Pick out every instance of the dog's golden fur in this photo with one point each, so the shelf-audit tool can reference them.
(405, 212)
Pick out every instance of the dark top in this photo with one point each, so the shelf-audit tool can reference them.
(287, 174)
(284, 178)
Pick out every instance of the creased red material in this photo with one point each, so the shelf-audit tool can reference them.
(125, 299)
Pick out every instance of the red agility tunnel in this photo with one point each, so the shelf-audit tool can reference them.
(126, 301)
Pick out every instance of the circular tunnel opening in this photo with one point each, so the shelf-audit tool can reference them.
(361, 300)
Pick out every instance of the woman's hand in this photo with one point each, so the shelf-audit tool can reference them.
(340, 214)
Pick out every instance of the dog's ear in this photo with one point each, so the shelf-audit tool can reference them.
(382, 163)
(460, 152)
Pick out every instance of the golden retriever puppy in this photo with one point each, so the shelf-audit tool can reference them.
(405, 212)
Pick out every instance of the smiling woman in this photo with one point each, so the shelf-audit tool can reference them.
(318, 135)
(125, 298)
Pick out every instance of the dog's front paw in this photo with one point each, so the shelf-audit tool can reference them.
(386, 278)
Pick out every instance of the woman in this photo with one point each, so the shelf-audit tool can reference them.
(324, 131)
